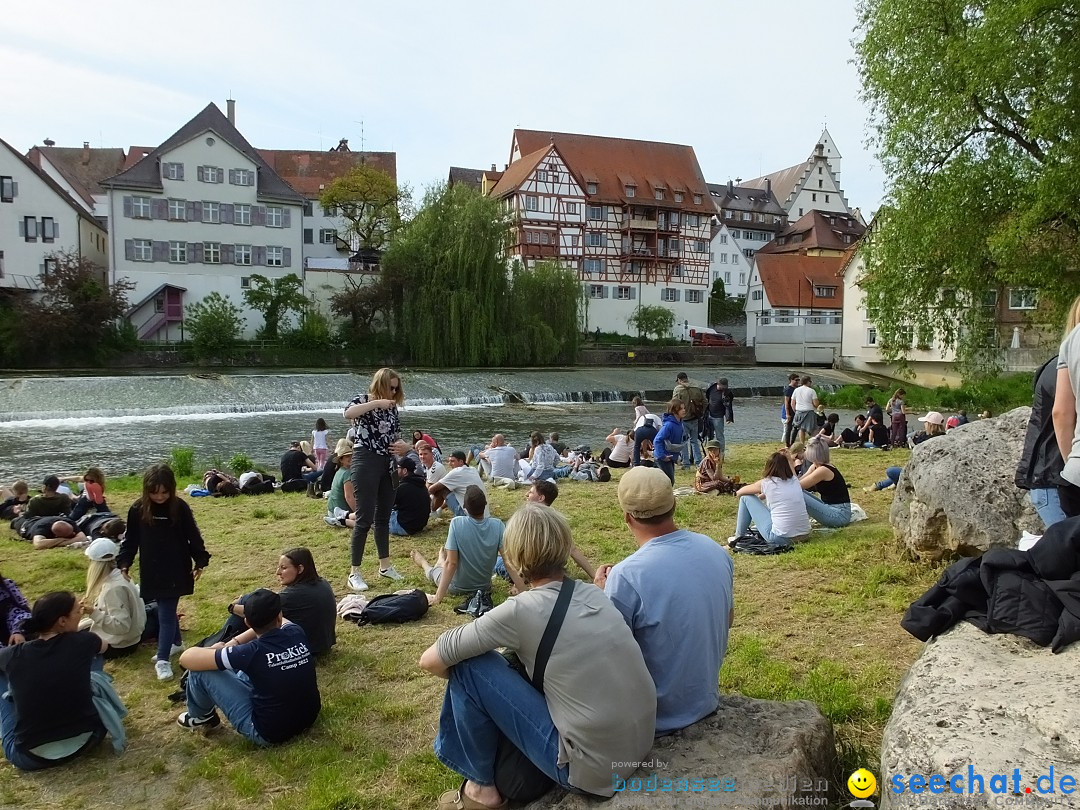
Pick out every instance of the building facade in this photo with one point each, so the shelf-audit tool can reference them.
(813, 185)
(39, 218)
(747, 219)
(632, 218)
(79, 171)
(200, 213)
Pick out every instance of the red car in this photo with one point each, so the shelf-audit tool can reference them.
(712, 339)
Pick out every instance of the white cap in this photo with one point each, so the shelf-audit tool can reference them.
(102, 550)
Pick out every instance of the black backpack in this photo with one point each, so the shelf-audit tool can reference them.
(395, 607)
(753, 543)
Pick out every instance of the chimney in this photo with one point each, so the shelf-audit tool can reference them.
(85, 152)
(730, 187)
(493, 168)
(768, 187)
(230, 107)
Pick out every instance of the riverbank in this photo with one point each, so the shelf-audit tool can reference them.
(820, 623)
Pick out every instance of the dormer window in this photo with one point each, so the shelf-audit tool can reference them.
(590, 188)
(659, 193)
(697, 199)
(630, 190)
(824, 292)
(679, 196)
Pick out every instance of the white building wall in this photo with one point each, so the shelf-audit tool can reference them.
(609, 311)
(202, 278)
(820, 192)
(48, 168)
(24, 259)
(729, 264)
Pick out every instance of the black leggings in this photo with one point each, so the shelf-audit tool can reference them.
(373, 489)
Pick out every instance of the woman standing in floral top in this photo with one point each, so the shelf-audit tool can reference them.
(378, 439)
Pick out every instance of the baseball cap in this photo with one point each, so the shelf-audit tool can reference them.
(102, 550)
(408, 463)
(262, 607)
(645, 492)
(933, 418)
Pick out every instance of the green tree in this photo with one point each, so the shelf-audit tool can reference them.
(543, 318)
(275, 299)
(362, 304)
(214, 325)
(973, 106)
(724, 307)
(652, 320)
(372, 204)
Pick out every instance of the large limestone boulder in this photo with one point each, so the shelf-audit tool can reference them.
(995, 702)
(956, 495)
(758, 754)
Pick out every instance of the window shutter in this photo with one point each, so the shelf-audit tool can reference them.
(232, 177)
(286, 221)
(201, 172)
(179, 171)
(258, 215)
(160, 251)
(129, 249)
(606, 291)
(55, 229)
(159, 209)
(678, 294)
(258, 255)
(22, 228)
(14, 189)
(164, 170)
(286, 257)
(309, 236)
(195, 252)
(225, 211)
(127, 207)
(228, 254)
(189, 211)
(633, 293)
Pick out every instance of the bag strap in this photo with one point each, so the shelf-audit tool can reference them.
(547, 641)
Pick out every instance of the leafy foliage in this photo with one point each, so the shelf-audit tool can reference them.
(214, 325)
(371, 203)
(974, 113)
(275, 299)
(652, 320)
(240, 463)
(182, 461)
(724, 307)
(363, 304)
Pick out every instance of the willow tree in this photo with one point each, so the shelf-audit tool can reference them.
(974, 111)
(448, 264)
(542, 322)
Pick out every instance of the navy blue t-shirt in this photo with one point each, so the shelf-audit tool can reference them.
(281, 667)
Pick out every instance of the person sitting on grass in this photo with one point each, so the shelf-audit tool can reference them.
(466, 560)
(544, 493)
(92, 496)
(934, 426)
(264, 680)
(450, 489)
(851, 437)
(15, 505)
(50, 501)
(781, 518)
(412, 503)
(53, 532)
(14, 610)
(341, 500)
(833, 509)
(710, 475)
(114, 610)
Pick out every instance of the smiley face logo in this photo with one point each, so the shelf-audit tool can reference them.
(862, 783)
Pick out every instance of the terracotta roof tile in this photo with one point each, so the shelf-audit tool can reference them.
(789, 279)
(51, 183)
(611, 162)
(518, 171)
(84, 177)
(135, 154)
(817, 230)
(306, 170)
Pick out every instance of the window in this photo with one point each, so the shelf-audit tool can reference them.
(669, 294)
(1022, 298)
(594, 239)
(575, 240)
(275, 257)
(245, 281)
(659, 193)
(756, 295)
(723, 239)
(824, 292)
(728, 214)
(630, 190)
(30, 229)
(1, 264)
(727, 277)
(678, 196)
(735, 258)
(697, 199)
(49, 267)
(242, 177)
(144, 250)
(747, 216)
(178, 252)
(593, 266)
(47, 232)
(329, 211)
(813, 197)
(309, 208)
(742, 279)
(211, 212)
(159, 304)
(748, 253)
(800, 212)
(723, 258)
(675, 245)
(693, 296)
(595, 212)
(905, 336)
(211, 253)
(820, 183)
(700, 246)
(989, 298)
(541, 176)
(172, 171)
(327, 236)
(623, 293)
(819, 171)
(140, 207)
(242, 256)
(241, 214)
(532, 202)
(571, 208)
(275, 216)
(543, 237)
(211, 174)
(177, 210)
(554, 177)
(677, 271)
(590, 188)
(596, 291)
(7, 189)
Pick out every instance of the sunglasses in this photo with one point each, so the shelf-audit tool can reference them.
(394, 389)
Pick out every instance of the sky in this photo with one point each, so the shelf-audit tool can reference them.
(748, 85)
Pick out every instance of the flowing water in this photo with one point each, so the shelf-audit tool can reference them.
(121, 424)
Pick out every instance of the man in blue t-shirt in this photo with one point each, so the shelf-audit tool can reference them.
(675, 593)
(263, 680)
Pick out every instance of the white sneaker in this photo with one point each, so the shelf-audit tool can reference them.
(391, 573)
(164, 670)
(356, 583)
(175, 649)
(731, 541)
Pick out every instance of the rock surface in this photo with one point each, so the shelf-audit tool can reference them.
(761, 754)
(995, 702)
(957, 497)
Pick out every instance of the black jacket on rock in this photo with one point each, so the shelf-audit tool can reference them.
(1040, 463)
(167, 549)
(1034, 593)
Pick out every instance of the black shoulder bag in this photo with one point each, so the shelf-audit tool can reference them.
(516, 777)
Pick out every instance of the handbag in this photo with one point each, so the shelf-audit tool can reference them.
(516, 776)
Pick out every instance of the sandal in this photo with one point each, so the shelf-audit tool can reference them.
(457, 800)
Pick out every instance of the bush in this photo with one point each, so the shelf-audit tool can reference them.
(214, 324)
(996, 394)
(240, 463)
(182, 461)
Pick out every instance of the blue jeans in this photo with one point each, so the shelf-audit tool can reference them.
(833, 515)
(641, 434)
(454, 505)
(718, 431)
(484, 696)
(1047, 503)
(561, 472)
(9, 716)
(892, 476)
(691, 454)
(395, 527)
(229, 691)
(500, 569)
(752, 508)
(168, 626)
(668, 467)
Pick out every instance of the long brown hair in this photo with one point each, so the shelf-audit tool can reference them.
(778, 466)
(380, 386)
(158, 476)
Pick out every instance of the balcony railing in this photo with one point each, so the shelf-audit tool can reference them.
(637, 224)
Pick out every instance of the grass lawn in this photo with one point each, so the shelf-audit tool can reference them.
(819, 623)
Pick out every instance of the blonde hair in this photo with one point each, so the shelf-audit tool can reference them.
(1072, 318)
(96, 575)
(96, 475)
(380, 386)
(537, 541)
